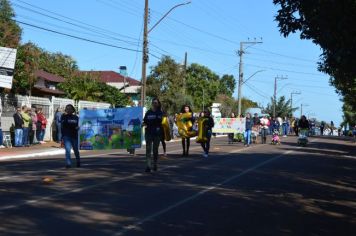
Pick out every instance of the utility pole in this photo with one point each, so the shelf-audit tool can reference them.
(291, 99)
(241, 52)
(301, 108)
(144, 55)
(146, 31)
(275, 93)
(185, 72)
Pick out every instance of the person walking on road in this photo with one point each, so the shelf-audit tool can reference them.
(285, 126)
(186, 140)
(231, 135)
(322, 127)
(209, 125)
(26, 126)
(303, 125)
(70, 127)
(153, 132)
(332, 127)
(248, 129)
(18, 127)
(264, 129)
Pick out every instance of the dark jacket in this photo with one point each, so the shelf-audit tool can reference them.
(303, 124)
(70, 126)
(210, 124)
(249, 123)
(18, 121)
(153, 122)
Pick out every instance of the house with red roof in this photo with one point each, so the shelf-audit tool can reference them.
(125, 84)
(47, 85)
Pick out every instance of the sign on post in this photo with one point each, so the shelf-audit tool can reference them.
(7, 65)
(102, 129)
(229, 125)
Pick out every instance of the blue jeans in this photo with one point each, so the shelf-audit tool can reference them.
(1, 137)
(18, 137)
(248, 137)
(285, 129)
(25, 136)
(69, 143)
(40, 134)
(59, 132)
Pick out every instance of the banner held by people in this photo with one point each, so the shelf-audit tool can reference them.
(229, 125)
(111, 128)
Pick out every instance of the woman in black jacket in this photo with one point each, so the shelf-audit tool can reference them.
(70, 127)
(209, 127)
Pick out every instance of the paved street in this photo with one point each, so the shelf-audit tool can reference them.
(260, 190)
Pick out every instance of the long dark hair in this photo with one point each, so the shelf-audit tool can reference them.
(183, 109)
(159, 103)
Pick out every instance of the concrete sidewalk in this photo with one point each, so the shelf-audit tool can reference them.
(38, 150)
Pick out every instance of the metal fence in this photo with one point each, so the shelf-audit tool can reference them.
(8, 104)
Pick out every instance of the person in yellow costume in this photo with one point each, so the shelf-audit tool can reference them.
(185, 121)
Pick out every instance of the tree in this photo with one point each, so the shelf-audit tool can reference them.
(283, 107)
(202, 85)
(227, 85)
(27, 62)
(10, 31)
(330, 24)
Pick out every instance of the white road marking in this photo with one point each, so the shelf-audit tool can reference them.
(198, 194)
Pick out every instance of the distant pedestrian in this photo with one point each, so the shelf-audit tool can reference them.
(70, 127)
(322, 127)
(231, 135)
(18, 127)
(41, 125)
(26, 125)
(57, 119)
(285, 126)
(33, 139)
(248, 129)
(153, 124)
(332, 127)
(264, 129)
(209, 125)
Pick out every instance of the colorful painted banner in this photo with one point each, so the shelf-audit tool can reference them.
(110, 128)
(229, 125)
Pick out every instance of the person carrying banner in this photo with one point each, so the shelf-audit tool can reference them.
(231, 135)
(153, 132)
(248, 129)
(70, 127)
(208, 126)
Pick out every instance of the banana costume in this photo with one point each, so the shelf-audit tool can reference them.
(184, 124)
(202, 130)
(166, 130)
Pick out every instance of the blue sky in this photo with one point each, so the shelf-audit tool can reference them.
(209, 30)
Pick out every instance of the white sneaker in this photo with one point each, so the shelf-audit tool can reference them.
(2, 146)
(205, 155)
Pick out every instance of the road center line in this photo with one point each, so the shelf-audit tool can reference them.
(198, 194)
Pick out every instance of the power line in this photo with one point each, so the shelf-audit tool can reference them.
(76, 37)
(71, 19)
(289, 71)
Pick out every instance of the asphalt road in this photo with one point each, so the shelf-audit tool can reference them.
(260, 190)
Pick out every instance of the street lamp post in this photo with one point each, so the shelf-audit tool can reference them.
(241, 52)
(275, 93)
(301, 108)
(123, 72)
(146, 31)
(291, 99)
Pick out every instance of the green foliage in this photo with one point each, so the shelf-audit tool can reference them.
(331, 25)
(230, 105)
(10, 31)
(26, 64)
(227, 85)
(84, 86)
(283, 107)
(202, 85)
